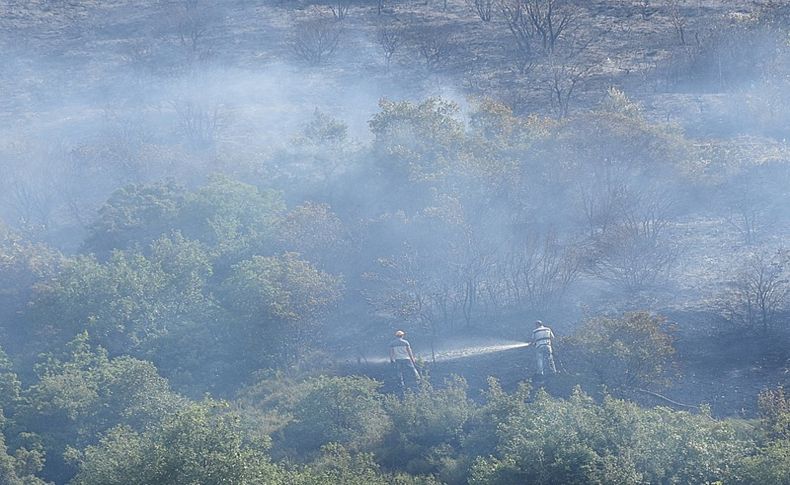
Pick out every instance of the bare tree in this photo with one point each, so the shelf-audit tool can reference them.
(550, 19)
(538, 271)
(405, 290)
(193, 21)
(314, 41)
(677, 18)
(339, 8)
(201, 124)
(565, 77)
(435, 45)
(521, 28)
(636, 254)
(602, 205)
(760, 291)
(483, 8)
(644, 7)
(389, 38)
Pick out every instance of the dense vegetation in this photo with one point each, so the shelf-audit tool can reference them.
(184, 286)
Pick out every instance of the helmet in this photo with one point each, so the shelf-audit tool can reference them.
(538, 323)
(400, 333)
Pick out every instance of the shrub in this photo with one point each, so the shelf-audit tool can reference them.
(345, 410)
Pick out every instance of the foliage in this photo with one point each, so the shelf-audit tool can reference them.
(129, 301)
(775, 412)
(417, 141)
(228, 216)
(315, 232)
(202, 443)
(280, 299)
(337, 465)
(135, 214)
(21, 467)
(83, 393)
(10, 386)
(578, 441)
(345, 410)
(427, 427)
(770, 465)
(630, 351)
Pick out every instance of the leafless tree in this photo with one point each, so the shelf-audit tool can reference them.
(566, 75)
(645, 9)
(760, 291)
(677, 18)
(403, 288)
(537, 272)
(483, 8)
(389, 38)
(435, 45)
(521, 28)
(339, 8)
(602, 205)
(201, 124)
(314, 41)
(550, 19)
(636, 254)
(192, 22)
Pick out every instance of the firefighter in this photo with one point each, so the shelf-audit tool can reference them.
(542, 338)
(403, 358)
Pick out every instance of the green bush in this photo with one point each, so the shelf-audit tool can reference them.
(631, 351)
(200, 444)
(579, 441)
(345, 410)
(427, 427)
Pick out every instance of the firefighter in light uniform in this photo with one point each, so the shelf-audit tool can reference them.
(542, 338)
(403, 358)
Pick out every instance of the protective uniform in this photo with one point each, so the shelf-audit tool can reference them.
(541, 339)
(400, 354)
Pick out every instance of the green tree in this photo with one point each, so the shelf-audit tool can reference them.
(280, 300)
(338, 465)
(630, 351)
(417, 142)
(345, 410)
(202, 443)
(21, 467)
(577, 440)
(316, 233)
(232, 218)
(82, 393)
(135, 214)
(129, 301)
(427, 428)
(23, 266)
(10, 386)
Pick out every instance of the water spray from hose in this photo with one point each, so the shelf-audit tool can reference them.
(464, 351)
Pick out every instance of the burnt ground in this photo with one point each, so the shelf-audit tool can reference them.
(724, 370)
(82, 50)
